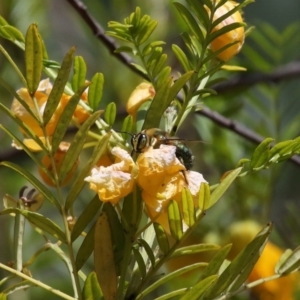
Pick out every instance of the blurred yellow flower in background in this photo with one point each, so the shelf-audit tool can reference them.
(41, 97)
(236, 35)
(58, 159)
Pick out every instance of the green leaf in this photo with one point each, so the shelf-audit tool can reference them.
(169, 277)
(199, 289)
(178, 85)
(141, 264)
(3, 296)
(175, 221)
(216, 263)
(159, 65)
(110, 113)
(86, 248)
(163, 76)
(33, 58)
(3, 22)
(194, 249)
(24, 147)
(104, 257)
(117, 231)
(39, 221)
(65, 118)
(79, 182)
(76, 146)
(162, 238)
(224, 30)
(291, 263)
(260, 155)
(148, 250)
(188, 207)
(79, 75)
(182, 58)
(127, 125)
(95, 90)
(91, 288)
(11, 33)
(204, 196)
(35, 182)
(146, 31)
(223, 186)
(281, 149)
(247, 257)
(86, 216)
(158, 106)
(190, 21)
(58, 86)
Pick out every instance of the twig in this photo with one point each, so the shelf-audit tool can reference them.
(99, 32)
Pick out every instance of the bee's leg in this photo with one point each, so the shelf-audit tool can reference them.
(184, 175)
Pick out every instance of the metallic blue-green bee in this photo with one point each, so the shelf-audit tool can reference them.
(155, 137)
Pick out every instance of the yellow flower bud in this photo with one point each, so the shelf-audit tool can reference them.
(142, 93)
(235, 35)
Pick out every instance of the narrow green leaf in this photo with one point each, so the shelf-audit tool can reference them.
(280, 149)
(127, 125)
(194, 249)
(3, 296)
(291, 263)
(85, 217)
(200, 11)
(159, 65)
(204, 196)
(39, 221)
(190, 21)
(199, 289)
(188, 207)
(33, 58)
(260, 155)
(3, 22)
(223, 186)
(104, 257)
(175, 221)
(286, 254)
(76, 146)
(65, 118)
(22, 125)
(146, 32)
(95, 90)
(178, 84)
(148, 250)
(91, 288)
(58, 86)
(35, 182)
(117, 231)
(248, 256)
(78, 78)
(23, 146)
(224, 30)
(139, 259)
(86, 248)
(79, 182)
(163, 76)
(162, 238)
(11, 33)
(158, 106)
(182, 58)
(110, 113)
(216, 262)
(169, 277)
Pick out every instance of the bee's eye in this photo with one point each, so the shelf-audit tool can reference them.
(139, 142)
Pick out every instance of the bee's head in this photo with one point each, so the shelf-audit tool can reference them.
(139, 142)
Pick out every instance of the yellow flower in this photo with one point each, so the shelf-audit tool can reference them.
(41, 97)
(235, 35)
(59, 156)
(114, 182)
(142, 93)
(162, 180)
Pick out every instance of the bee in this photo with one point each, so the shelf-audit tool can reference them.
(154, 137)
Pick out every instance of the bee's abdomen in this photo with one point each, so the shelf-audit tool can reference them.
(185, 155)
